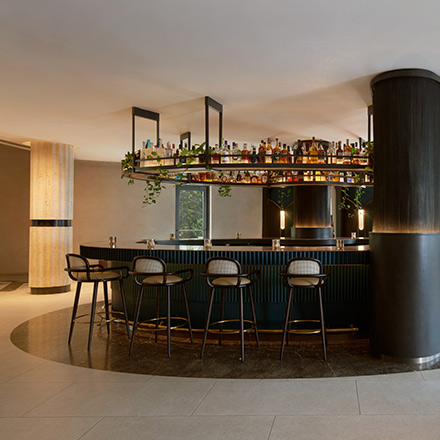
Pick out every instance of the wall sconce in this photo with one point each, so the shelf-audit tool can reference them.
(282, 219)
(361, 215)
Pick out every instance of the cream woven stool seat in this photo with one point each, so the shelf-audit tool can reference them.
(81, 271)
(152, 272)
(225, 273)
(304, 273)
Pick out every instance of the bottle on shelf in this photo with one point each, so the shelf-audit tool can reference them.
(236, 153)
(145, 153)
(264, 177)
(215, 155)
(339, 154)
(254, 177)
(321, 154)
(261, 152)
(313, 152)
(245, 154)
(239, 177)
(276, 153)
(347, 153)
(225, 153)
(299, 152)
(247, 177)
(268, 152)
(253, 158)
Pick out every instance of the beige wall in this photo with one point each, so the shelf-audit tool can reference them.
(105, 205)
(14, 210)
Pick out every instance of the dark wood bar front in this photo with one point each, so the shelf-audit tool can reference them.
(346, 296)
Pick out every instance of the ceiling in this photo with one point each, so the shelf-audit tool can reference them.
(71, 70)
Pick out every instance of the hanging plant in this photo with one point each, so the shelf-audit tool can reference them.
(347, 204)
(154, 185)
(369, 153)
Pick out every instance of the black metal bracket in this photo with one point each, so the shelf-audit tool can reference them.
(145, 114)
(185, 138)
(370, 118)
(211, 103)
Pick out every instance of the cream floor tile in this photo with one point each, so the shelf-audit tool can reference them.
(45, 428)
(159, 397)
(182, 428)
(399, 397)
(431, 374)
(55, 372)
(411, 376)
(11, 367)
(356, 427)
(19, 398)
(281, 397)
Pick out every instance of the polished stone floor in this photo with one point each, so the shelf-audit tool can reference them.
(348, 355)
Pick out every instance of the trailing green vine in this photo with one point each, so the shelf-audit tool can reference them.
(154, 185)
(346, 202)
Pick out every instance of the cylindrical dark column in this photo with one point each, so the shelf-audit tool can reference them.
(311, 212)
(405, 242)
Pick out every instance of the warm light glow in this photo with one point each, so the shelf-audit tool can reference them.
(282, 219)
(361, 214)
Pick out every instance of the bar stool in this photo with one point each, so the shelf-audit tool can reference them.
(304, 273)
(152, 272)
(225, 273)
(81, 271)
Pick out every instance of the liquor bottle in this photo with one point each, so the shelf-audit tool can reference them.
(264, 177)
(356, 154)
(261, 152)
(284, 154)
(347, 153)
(331, 153)
(216, 155)
(289, 176)
(225, 158)
(169, 154)
(245, 154)
(299, 152)
(236, 153)
(268, 158)
(247, 177)
(313, 152)
(276, 153)
(195, 157)
(145, 152)
(160, 151)
(253, 158)
(223, 177)
(321, 154)
(239, 177)
(176, 156)
(254, 177)
(339, 154)
(232, 177)
(259, 178)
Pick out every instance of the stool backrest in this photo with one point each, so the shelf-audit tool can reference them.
(219, 265)
(149, 265)
(75, 261)
(304, 266)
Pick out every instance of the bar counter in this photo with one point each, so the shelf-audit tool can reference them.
(346, 295)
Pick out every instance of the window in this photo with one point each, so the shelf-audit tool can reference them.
(192, 212)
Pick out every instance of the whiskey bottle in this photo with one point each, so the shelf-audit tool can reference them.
(245, 154)
(268, 152)
(276, 153)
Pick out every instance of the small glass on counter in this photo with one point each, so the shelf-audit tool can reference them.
(207, 243)
(150, 243)
(339, 244)
(276, 244)
(112, 241)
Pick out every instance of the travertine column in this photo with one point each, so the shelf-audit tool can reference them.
(51, 214)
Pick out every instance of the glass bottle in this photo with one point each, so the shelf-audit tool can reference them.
(339, 154)
(321, 153)
(245, 154)
(276, 153)
(347, 153)
(253, 158)
(268, 152)
(236, 153)
(313, 152)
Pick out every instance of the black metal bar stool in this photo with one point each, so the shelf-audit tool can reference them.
(304, 273)
(225, 273)
(81, 271)
(152, 272)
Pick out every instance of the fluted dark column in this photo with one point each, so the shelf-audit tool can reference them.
(311, 212)
(405, 242)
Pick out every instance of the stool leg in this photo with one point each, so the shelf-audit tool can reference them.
(254, 316)
(75, 309)
(107, 312)
(222, 315)
(321, 312)
(157, 311)
(124, 306)
(185, 300)
(169, 320)
(241, 325)
(136, 318)
(286, 321)
(92, 313)
(208, 317)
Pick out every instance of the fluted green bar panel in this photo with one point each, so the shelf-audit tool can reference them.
(346, 296)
